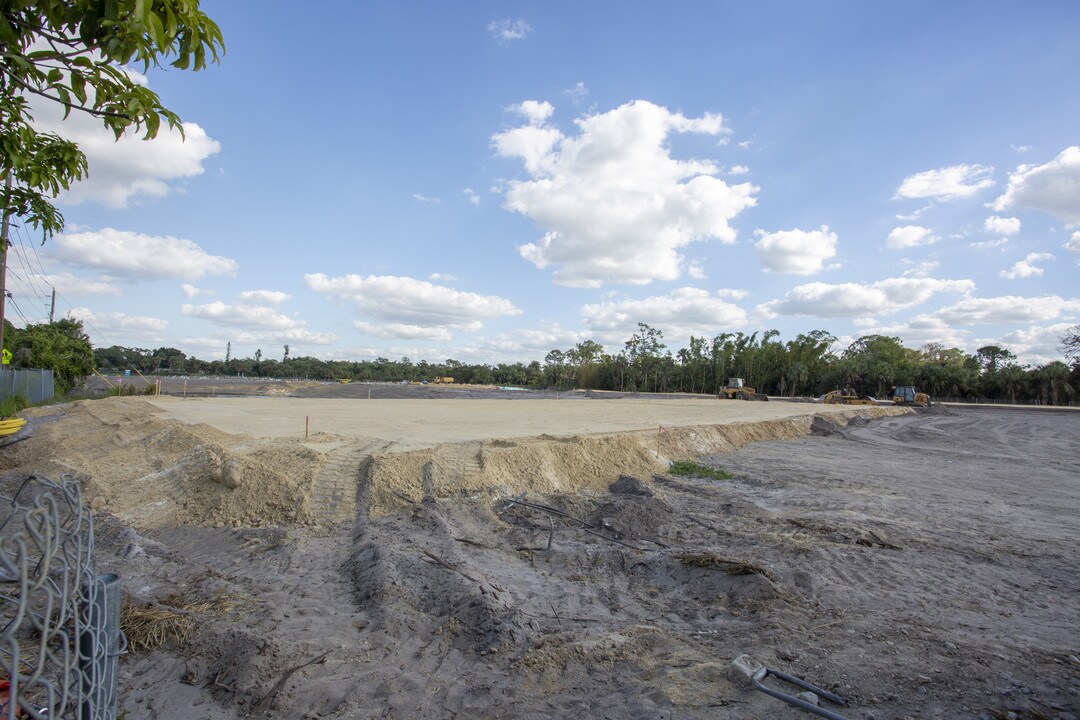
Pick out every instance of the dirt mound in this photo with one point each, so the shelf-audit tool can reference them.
(550, 464)
(152, 472)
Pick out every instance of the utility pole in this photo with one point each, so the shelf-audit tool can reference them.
(52, 309)
(3, 258)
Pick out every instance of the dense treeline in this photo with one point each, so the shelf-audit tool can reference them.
(804, 366)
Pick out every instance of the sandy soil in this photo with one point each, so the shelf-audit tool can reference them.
(922, 565)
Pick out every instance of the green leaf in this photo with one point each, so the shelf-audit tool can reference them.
(78, 86)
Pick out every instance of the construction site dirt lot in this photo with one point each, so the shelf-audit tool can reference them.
(534, 558)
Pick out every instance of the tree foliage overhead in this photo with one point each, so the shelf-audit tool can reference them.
(74, 53)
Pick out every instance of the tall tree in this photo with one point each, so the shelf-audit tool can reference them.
(73, 53)
(1070, 343)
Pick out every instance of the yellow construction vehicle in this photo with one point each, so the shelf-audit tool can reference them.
(908, 395)
(847, 396)
(345, 381)
(443, 381)
(737, 390)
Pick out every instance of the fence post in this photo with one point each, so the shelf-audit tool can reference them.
(99, 648)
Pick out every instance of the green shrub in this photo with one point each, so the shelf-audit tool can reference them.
(10, 406)
(693, 469)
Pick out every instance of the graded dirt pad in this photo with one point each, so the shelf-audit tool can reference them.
(922, 565)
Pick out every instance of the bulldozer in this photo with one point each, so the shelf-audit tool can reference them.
(908, 395)
(737, 390)
(847, 396)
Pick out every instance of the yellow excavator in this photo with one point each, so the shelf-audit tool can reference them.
(737, 390)
(908, 395)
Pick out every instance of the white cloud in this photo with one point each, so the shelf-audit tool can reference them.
(695, 270)
(256, 323)
(614, 206)
(578, 93)
(240, 315)
(272, 297)
(69, 284)
(921, 269)
(129, 168)
(853, 300)
(795, 252)
(1002, 225)
(135, 256)
(948, 183)
(1021, 149)
(507, 30)
(472, 196)
(1073, 243)
(113, 326)
(1026, 268)
(914, 215)
(406, 302)
(425, 199)
(1035, 344)
(1053, 188)
(1006, 309)
(190, 291)
(443, 277)
(684, 312)
(403, 331)
(921, 330)
(988, 244)
(910, 236)
(738, 170)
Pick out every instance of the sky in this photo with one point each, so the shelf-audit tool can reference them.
(490, 181)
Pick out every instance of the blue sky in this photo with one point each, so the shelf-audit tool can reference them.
(490, 181)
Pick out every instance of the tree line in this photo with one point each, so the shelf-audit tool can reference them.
(808, 365)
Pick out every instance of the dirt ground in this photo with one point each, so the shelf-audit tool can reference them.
(922, 565)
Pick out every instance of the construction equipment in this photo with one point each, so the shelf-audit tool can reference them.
(908, 395)
(847, 396)
(737, 390)
(345, 381)
(443, 381)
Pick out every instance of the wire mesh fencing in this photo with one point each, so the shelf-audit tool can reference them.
(59, 619)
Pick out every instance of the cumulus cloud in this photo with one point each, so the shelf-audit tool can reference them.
(118, 325)
(471, 196)
(1026, 268)
(989, 244)
(425, 199)
(1036, 344)
(795, 252)
(738, 170)
(135, 256)
(256, 323)
(271, 297)
(921, 269)
(1002, 225)
(948, 183)
(190, 291)
(910, 236)
(695, 270)
(1073, 243)
(406, 304)
(613, 205)
(854, 300)
(129, 168)
(1006, 309)
(1052, 188)
(684, 312)
(507, 30)
(69, 284)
